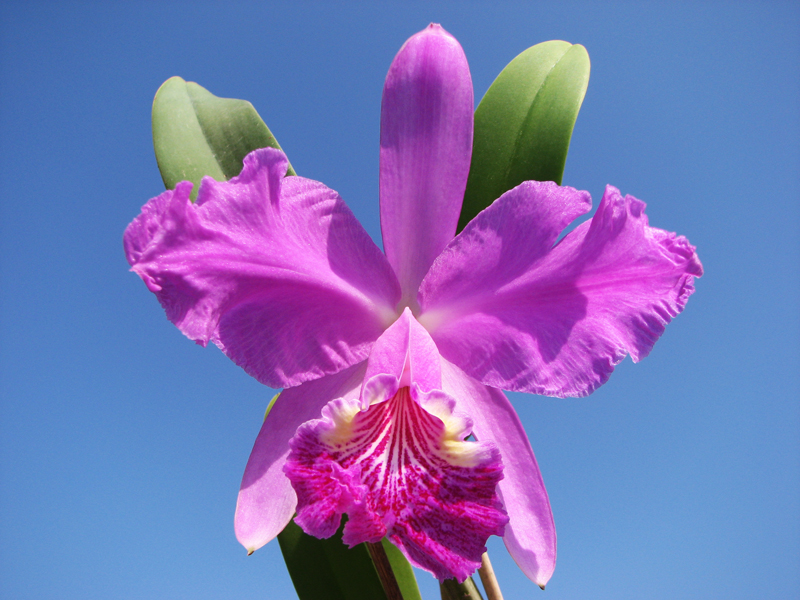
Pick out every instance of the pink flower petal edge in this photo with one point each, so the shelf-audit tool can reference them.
(517, 314)
(276, 272)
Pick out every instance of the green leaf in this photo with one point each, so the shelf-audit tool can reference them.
(195, 133)
(524, 123)
(270, 405)
(403, 571)
(327, 569)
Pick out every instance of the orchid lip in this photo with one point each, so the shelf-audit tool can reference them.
(397, 462)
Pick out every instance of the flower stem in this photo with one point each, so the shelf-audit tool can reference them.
(488, 579)
(384, 568)
(452, 590)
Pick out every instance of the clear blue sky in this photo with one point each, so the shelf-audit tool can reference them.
(122, 443)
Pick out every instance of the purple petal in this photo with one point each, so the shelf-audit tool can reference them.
(276, 272)
(502, 243)
(266, 499)
(398, 466)
(530, 535)
(404, 353)
(555, 323)
(426, 146)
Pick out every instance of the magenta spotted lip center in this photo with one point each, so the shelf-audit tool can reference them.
(390, 360)
(396, 463)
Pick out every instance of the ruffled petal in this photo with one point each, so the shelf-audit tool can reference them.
(501, 244)
(426, 146)
(559, 323)
(530, 535)
(276, 272)
(399, 467)
(266, 500)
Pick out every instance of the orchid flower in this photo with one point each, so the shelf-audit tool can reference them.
(391, 361)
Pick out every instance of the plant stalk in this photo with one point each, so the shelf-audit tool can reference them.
(385, 573)
(488, 579)
(452, 590)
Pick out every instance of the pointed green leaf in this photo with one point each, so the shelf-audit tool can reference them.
(270, 405)
(327, 569)
(524, 123)
(403, 571)
(195, 133)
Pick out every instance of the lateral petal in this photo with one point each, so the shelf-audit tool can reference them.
(276, 272)
(530, 535)
(426, 145)
(556, 325)
(501, 244)
(266, 500)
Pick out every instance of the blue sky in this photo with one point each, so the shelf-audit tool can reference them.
(122, 443)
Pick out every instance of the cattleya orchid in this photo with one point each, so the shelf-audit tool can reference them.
(391, 361)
